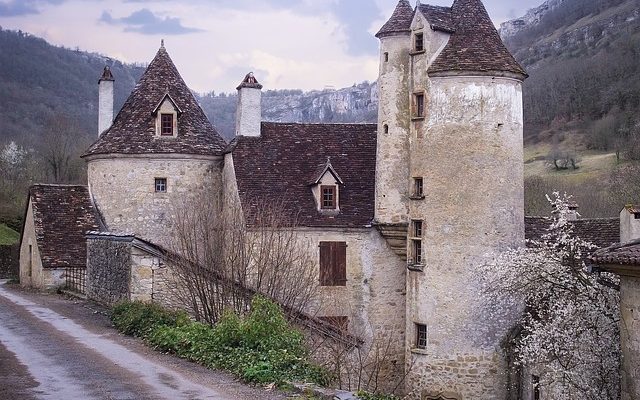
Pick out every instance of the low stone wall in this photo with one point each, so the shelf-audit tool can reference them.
(108, 269)
(9, 261)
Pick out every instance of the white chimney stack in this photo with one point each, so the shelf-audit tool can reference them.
(249, 113)
(629, 223)
(105, 101)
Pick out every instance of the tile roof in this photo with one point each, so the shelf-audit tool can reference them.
(620, 254)
(475, 46)
(62, 215)
(602, 232)
(400, 21)
(279, 163)
(440, 18)
(133, 130)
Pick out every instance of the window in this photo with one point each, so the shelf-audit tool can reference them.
(328, 197)
(30, 260)
(417, 228)
(416, 251)
(418, 105)
(421, 336)
(636, 215)
(419, 42)
(386, 129)
(418, 188)
(166, 128)
(333, 264)
(386, 57)
(536, 387)
(161, 185)
(340, 323)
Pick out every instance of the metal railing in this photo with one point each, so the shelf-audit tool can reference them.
(75, 279)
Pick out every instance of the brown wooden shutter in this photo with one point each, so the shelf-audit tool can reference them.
(325, 263)
(340, 266)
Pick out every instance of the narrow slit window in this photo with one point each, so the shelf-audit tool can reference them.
(417, 251)
(421, 336)
(30, 260)
(328, 197)
(161, 185)
(419, 42)
(418, 187)
(166, 124)
(386, 129)
(418, 104)
(386, 57)
(417, 228)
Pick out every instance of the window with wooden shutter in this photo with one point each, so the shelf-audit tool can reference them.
(333, 263)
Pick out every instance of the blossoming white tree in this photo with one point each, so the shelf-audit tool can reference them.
(567, 314)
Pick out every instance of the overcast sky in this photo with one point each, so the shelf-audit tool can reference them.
(289, 44)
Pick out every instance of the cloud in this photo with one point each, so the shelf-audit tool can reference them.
(146, 22)
(14, 8)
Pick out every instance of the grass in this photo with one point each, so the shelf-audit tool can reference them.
(8, 236)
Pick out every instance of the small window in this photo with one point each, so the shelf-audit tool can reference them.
(421, 336)
(30, 260)
(166, 124)
(418, 187)
(386, 57)
(328, 197)
(333, 264)
(535, 380)
(417, 251)
(636, 215)
(161, 185)
(417, 228)
(418, 105)
(340, 323)
(419, 42)
(386, 129)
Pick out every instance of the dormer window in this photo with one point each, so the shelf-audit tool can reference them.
(167, 124)
(325, 188)
(328, 197)
(166, 114)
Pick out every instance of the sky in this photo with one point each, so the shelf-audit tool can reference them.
(288, 44)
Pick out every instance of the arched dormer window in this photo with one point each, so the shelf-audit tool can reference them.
(325, 187)
(167, 113)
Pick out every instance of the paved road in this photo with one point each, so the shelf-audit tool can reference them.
(55, 348)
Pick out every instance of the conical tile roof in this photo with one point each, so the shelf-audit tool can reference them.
(400, 21)
(475, 46)
(134, 128)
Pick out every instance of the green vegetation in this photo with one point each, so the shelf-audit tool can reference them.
(260, 347)
(8, 236)
(368, 396)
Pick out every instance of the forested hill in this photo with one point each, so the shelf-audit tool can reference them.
(39, 82)
(582, 56)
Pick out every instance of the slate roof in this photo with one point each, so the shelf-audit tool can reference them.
(619, 254)
(279, 164)
(440, 18)
(133, 130)
(62, 215)
(602, 232)
(400, 21)
(475, 45)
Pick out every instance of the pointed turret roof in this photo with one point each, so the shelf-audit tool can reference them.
(475, 46)
(106, 74)
(400, 21)
(134, 128)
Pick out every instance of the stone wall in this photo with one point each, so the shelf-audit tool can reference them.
(10, 261)
(108, 269)
(630, 336)
(124, 191)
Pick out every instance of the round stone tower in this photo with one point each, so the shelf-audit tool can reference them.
(461, 152)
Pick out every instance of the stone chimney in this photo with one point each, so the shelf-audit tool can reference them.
(105, 100)
(629, 223)
(249, 113)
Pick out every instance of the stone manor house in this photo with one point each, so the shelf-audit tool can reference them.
(402, 211)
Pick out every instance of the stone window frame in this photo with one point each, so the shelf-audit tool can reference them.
(160, 111)
(421, 336)
(385, 56)
(161, 185)
(418, 42)
(166, 127)
(417, 188)
(418, 105)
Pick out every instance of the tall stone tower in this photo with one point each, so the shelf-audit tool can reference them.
(450, 166)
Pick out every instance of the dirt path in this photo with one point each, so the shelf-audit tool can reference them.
(56, 348)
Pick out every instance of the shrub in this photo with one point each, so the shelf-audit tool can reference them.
(141, 319)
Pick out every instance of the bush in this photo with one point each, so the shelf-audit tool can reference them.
(260, 348)
(141, 319)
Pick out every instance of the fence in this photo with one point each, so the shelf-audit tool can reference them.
(75, 279)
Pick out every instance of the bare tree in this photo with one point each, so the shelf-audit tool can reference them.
(60, 149)
(222, 258)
